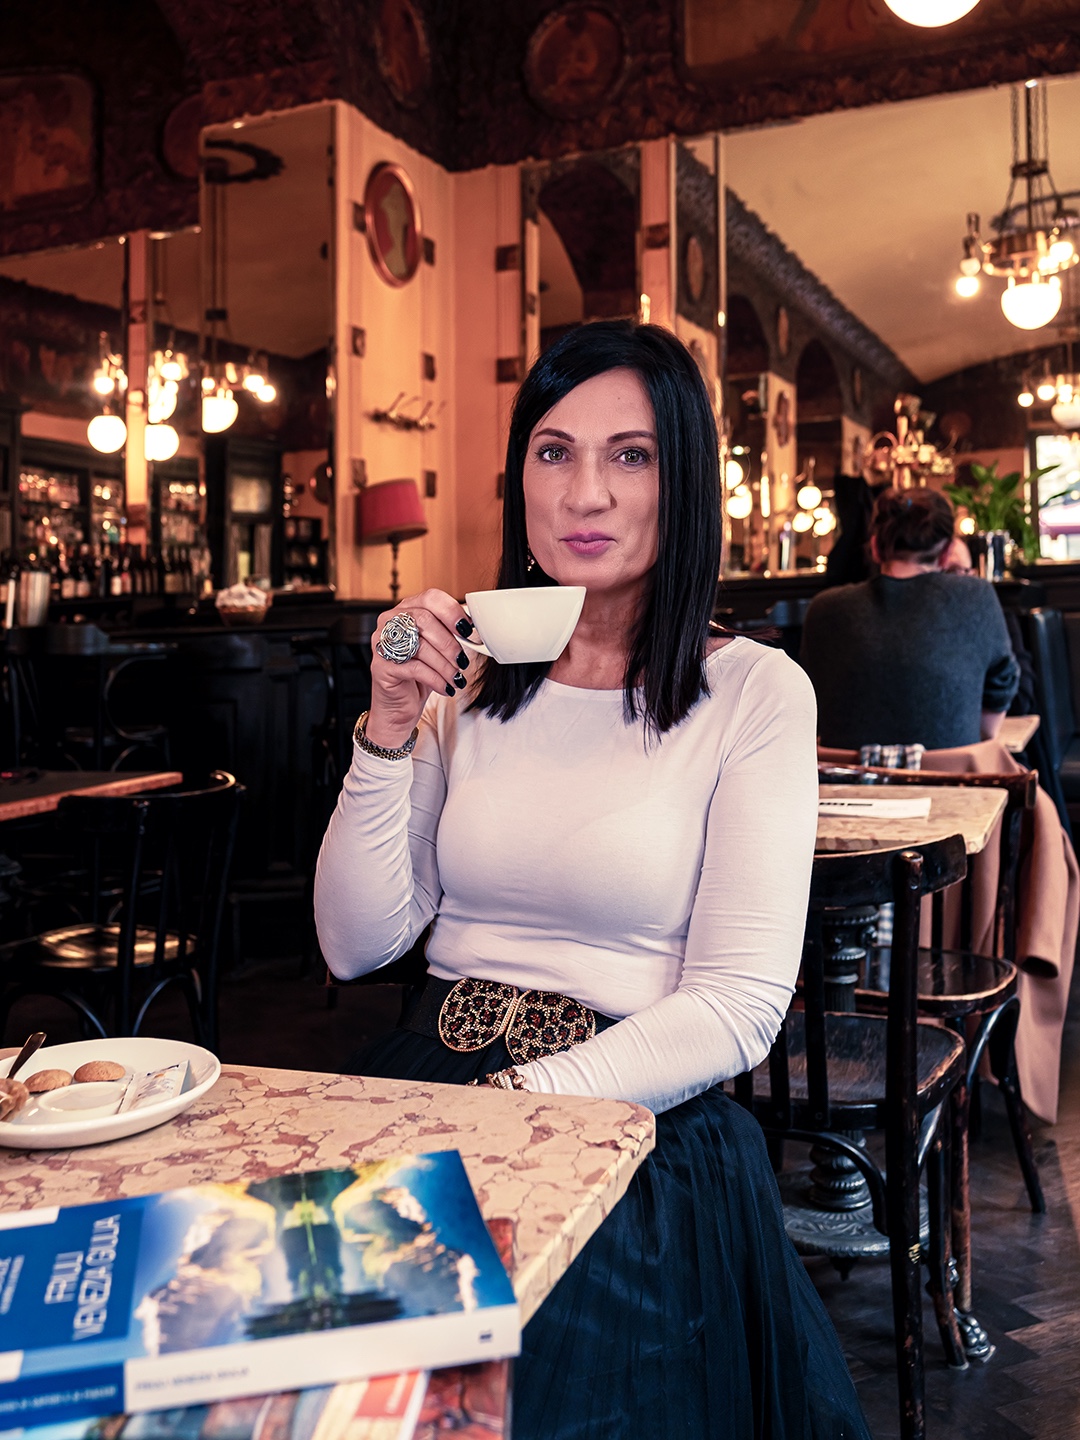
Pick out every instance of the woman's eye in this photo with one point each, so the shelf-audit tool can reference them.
(635, 457)
(551, 452)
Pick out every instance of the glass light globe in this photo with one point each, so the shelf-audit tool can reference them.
(966, 526)
(209, 384)
(160, 442)
(1061, 252)
(1025, 398)
(266, 393)
(930, 13)
(809, 497)
(161, 399)
(970, 265)
(802, 521)
(254, 381)
(733, 474)
(740, 502)
(103, 382)
(826, 524)
(106, 433)
(1066, 413)
(1046, 390)
(170, 367)
(967, 286)
(219, 410)
(1031, 304)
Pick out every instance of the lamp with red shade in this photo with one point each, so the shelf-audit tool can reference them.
(389, 513)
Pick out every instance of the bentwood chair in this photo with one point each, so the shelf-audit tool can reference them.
(830, 1074)
(976, 996)
(171, 851)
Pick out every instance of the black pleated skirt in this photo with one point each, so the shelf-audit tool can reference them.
(688, 1315)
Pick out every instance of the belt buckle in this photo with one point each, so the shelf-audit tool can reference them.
(546, 1023)
(475, 1013)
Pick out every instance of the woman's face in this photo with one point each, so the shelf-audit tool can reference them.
(592, 484)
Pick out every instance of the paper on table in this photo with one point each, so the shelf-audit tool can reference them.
(911, 808)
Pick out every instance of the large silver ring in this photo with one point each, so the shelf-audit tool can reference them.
(399, 638)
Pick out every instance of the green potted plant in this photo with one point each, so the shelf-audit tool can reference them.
(996, 504)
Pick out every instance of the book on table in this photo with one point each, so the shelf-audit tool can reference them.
(217, 1291)
(385, 1407)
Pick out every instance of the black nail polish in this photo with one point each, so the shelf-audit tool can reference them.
(451, 691)
(464, 627)
(460, 681)
(462, 661)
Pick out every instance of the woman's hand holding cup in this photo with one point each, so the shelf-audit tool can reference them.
(424, 629)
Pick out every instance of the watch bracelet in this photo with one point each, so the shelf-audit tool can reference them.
(361, 739)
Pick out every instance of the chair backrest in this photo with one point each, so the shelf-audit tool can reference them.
(1045, 635)
(172, 850)
(900, 877)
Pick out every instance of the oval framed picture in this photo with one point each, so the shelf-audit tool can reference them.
(392, 222)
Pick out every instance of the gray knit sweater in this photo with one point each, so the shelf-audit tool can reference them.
(908, 661)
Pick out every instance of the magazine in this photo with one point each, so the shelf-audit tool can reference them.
(224, 1290)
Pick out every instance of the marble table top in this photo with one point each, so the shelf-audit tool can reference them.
(971, 811)
(553, 1165)
(1017, 730)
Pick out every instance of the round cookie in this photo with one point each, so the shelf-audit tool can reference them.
(99, 1070)
(43, 1080)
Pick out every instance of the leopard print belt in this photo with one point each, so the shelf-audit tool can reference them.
(468, 1015)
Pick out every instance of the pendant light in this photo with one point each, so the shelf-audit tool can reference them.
(931, 13)
(107, 433)
(160, 442)
(1031, 304)
(1035, 238)
(740, 502)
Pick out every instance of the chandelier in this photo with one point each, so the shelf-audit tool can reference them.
(906, 458)
(1034, 237)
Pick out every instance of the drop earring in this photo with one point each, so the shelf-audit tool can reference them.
(530, 561)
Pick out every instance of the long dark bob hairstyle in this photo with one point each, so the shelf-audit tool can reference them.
(665, 670)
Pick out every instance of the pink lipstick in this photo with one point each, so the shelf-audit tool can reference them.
(587, 542)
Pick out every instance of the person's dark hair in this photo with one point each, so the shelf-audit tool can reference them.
(914, 525)
(667, 649)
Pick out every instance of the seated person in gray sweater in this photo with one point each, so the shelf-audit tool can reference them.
(915, 655)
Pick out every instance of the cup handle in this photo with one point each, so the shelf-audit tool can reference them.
(477, 645)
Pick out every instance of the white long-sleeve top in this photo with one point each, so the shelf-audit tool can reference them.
(662, 884)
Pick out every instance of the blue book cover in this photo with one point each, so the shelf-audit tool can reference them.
(216, 1291)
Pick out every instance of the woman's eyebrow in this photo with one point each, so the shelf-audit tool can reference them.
(631, 435)
(558, 434)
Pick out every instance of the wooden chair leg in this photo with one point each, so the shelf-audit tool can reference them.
(1002, 1047)
(940, 1283)
(960, 1198)
(902, 1205)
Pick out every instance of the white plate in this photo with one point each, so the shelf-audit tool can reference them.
(137, 1054)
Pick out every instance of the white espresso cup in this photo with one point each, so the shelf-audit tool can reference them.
(517, 627)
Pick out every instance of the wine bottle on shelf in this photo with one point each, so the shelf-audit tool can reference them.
(67, 576)
(83, 574)
(126, 587)
(116, 579)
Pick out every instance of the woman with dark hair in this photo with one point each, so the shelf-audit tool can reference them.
(615, 848)
(917, 655)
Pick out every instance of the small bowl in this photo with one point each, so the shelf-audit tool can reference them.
(91, 1100)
